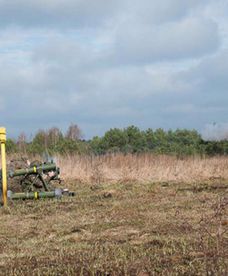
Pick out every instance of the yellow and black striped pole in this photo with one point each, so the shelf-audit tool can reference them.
(4, 173)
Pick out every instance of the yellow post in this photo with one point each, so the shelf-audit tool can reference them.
(4, 173)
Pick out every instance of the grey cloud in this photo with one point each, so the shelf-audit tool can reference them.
(209, 85)
(78, 13)
(157, 12)
(208, 88)
(215, 131)
(66, 77)
(54, 92)
(65, 93)
(212, 72)
(49, 13)
(188, 38)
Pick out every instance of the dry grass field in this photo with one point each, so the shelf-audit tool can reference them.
(132, 215)
(142, 168)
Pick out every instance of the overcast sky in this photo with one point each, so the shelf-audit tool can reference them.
(113, 63)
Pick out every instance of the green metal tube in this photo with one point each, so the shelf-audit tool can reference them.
(33, 170)
(34, 195)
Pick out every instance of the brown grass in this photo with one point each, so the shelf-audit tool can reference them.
(117, 229)
(142, 168)
(141, 215)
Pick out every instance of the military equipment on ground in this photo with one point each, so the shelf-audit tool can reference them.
(33, 180)
(58, 193)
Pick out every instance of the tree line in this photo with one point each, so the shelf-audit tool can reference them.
(131, 139)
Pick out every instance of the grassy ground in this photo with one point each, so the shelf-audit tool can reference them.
(125, 228)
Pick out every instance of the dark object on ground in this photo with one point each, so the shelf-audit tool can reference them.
(33, 180)
(24, 176)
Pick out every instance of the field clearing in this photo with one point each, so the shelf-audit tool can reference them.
(124, 223)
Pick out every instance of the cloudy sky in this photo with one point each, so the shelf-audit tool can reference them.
(113, 63)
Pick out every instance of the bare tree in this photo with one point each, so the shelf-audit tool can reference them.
(74, 132)
(21, 142)
(54, 134)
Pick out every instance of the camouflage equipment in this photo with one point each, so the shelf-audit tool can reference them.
(33, 180)
(58, 193)
(24, 176)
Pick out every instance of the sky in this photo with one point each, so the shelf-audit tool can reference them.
(104, 64)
